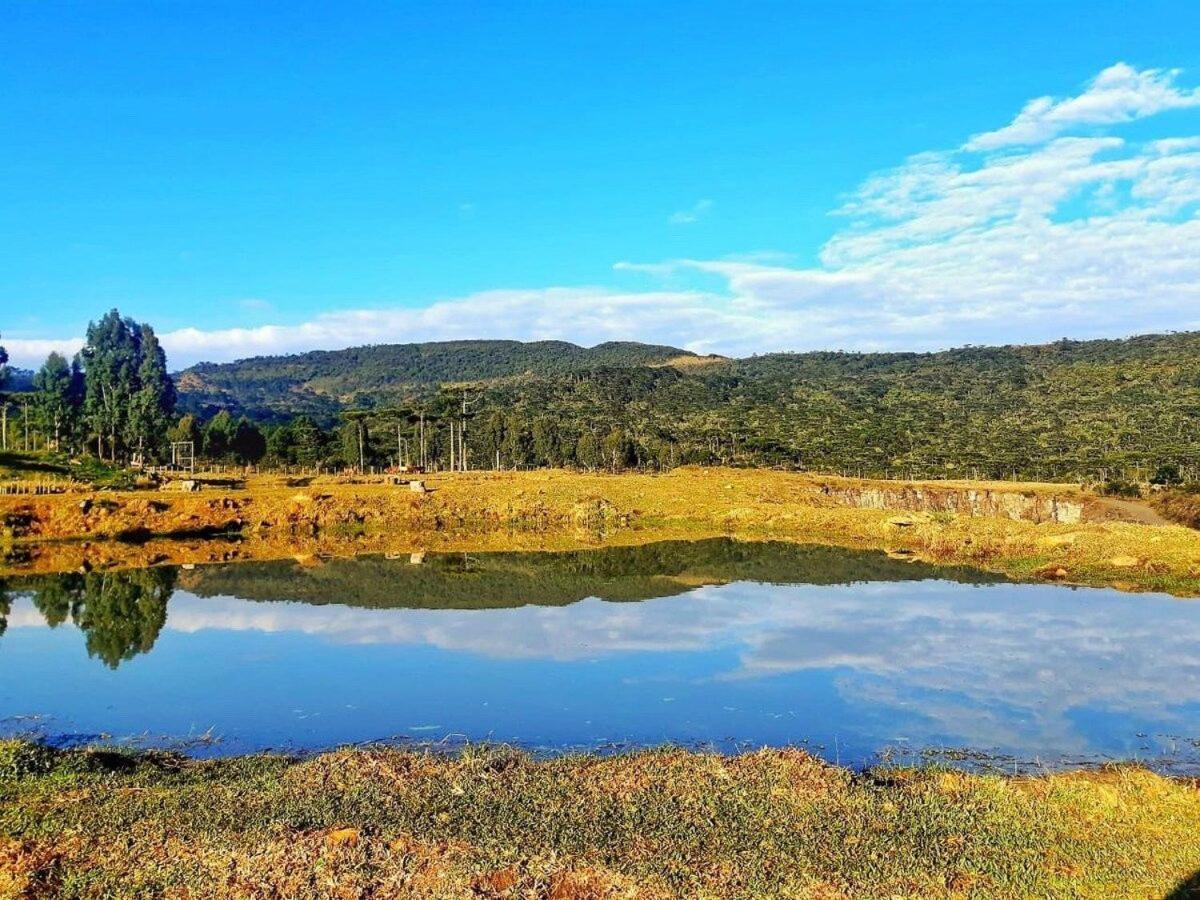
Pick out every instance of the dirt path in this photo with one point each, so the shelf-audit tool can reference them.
(1131, 511)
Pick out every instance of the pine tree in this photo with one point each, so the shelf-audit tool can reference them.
(308, 441)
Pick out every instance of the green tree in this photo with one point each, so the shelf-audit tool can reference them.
(617, 450)
(281, 444)
(545, 441)
(219, 435)
(153, 403)
(518, 444)
(355, 438)
(187, 429)
(248, 444)
(587, 451)
(308, 441)
(110, 357)
(128, 396)
(491, 437)
(54, 400)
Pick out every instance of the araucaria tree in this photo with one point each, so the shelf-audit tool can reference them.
(128, 395)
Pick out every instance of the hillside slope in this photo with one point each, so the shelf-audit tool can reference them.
(1066, 410)
(322, 382)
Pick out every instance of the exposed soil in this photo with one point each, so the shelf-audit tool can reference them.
(1055, 532)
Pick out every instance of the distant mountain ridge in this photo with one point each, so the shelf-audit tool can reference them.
(322, 382)
(19, 380)
(1068, 409)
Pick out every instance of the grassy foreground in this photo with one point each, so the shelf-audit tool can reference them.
(494, 823)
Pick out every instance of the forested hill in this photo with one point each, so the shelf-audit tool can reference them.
(1071, 409)
(323, 382)
(19, 380)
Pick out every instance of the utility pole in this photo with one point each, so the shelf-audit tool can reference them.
(4, 424)
(462, 433)
(424, 459)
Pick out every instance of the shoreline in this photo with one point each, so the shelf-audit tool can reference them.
(1019, 530)
(491, 821)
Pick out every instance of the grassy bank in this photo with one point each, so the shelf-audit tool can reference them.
(494, 823)
(1006, 528)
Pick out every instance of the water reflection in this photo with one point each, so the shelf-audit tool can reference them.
(765, 643)
(121, 613)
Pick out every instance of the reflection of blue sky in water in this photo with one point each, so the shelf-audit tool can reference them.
(1038, 670)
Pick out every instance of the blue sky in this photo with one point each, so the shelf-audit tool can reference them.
(265, 178)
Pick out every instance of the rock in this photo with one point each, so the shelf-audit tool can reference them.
(1052, 573)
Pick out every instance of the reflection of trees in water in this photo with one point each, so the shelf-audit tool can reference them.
(59, 596)
(492, 580)
(121, 613)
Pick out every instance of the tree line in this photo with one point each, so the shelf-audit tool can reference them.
(114, 398)
(1072, 410)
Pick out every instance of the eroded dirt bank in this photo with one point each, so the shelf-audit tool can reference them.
(528, 500)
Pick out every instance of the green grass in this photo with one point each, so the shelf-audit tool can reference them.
(88, 469)
(493, 822)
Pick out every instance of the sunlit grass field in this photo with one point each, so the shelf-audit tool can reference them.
(493, 822)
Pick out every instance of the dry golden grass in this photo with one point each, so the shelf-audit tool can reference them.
(554, 509)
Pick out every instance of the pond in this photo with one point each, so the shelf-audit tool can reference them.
(854, 655)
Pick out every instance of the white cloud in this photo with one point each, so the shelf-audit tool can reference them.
(1023, 234)
(1120, 93)
(691, 215)
(32, 352)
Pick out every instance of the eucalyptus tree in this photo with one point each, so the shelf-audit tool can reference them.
(152, 405)
(128, 395)
(57, 393)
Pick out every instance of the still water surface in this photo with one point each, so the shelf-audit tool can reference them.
(851, 654)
